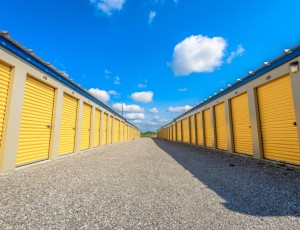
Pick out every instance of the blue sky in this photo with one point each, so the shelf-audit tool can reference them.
(159, 57)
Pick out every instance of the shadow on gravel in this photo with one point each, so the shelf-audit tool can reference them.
(247, 185)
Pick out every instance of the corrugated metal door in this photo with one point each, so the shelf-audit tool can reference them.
(86, 127)
(4, 85)
(116, 129)
(241, 124)
(68, 125)
(122, 132)
(221, 126)
(110, 131)
(171, 132)
(104, 133)
(207, 128)
(199, 131)
(126, 132)
(97, 124)
(36, 122)
(192, 129)
(277, 120)
(178, 127)
(174, 132)
(185, 130)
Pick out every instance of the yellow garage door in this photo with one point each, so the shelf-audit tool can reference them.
(199, 131)
(97, 124)
(174, 132)
(104, 133)
(110, 131)
(207, 128)
(178, 129)
(241, 124)
(185, 130)
(221, 126)
(277, 119)
(116, 129)
(192, 129)
(126, 132)
(4, 85)
(36, 122)
(68, 125)
(86, 127)
(122, 132)
(171, 132)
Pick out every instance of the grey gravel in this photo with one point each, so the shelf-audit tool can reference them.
(151, 184)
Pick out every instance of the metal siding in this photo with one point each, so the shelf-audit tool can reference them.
(126, 132)
(198, 129)
(178, 126)
(116, 129)
(241, 124)
(97, 124)
(36, 122)
(221, 126)
(192, 129)
(68, 125)
(277, 115)
(174, 132)
(104, 132)
(185, 130)
(122, 132)
(110, 131)
(207, 128)
(86, 127)
(4, 86)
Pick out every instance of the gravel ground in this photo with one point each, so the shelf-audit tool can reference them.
(151, 184)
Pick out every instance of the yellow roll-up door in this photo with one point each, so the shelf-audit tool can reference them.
(116, 129)
(277, 119)
(104, 133)
(174, 132)
(126, 132)
(241, 124)
(97, 124)
(110, 131)
(86, 127)
(192, 129)
(221, 126)
(207, 128)
(185, 130)
(171, 133)
(199, 131)
(4, 86)
(122, 132)
(178, 129)
(36, 122)
(68, 125)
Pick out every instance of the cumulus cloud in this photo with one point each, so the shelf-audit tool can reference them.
(144, 97)
(197, 54)
(114, 93)
(239, 52)
(108, 6)
(127, 108)
(182, 89)
(117, 80)
(154, 110)
(152, 15)
(141, 86)
(134, 116)
(179, 109)
(101, 95)
(159, 119)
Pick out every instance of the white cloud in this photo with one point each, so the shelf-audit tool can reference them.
(108, 6)
(144, 97)
(127, 108)
(137, 121)
(140, 86)
(152, 15)
(198, 54)
(114, 93)
(159, 119)
(179, 109)
(134, 116)
(182, 89)
(101, 95)
(239, 52)
(107, 72)
(117, 80)
(154, 110)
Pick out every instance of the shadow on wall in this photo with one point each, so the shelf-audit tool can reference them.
(247, 185)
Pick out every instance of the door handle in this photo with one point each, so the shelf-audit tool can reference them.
(48, 126)
(294, 123)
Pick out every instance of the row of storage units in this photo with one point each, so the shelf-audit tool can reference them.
(44, 115)
(258, 115)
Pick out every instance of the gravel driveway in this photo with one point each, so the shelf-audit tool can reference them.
(151, 184)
